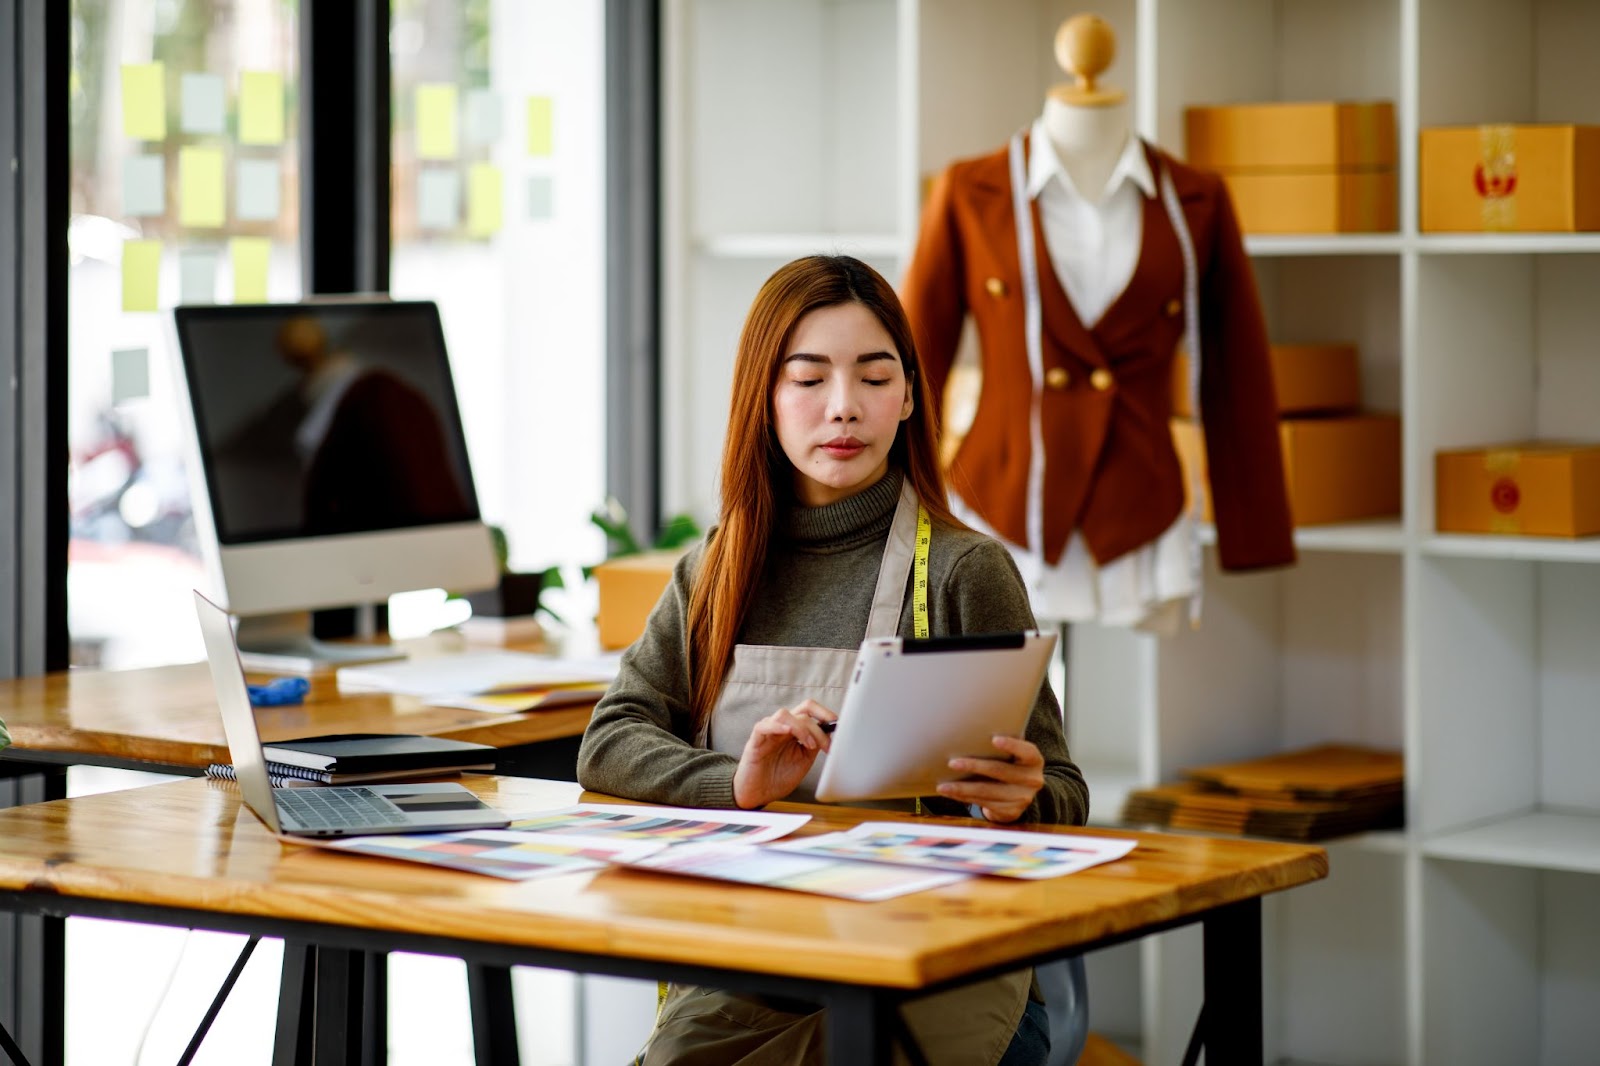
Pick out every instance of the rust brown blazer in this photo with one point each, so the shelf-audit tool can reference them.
(1110, 467)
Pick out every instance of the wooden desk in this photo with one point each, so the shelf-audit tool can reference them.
(189, 853)
(166, 719)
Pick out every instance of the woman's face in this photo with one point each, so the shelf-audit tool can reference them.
(841, 396)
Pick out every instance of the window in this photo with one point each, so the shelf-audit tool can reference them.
(184, 178)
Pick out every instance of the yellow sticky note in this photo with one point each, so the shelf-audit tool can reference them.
(260, 107)
(436, 121)
(141, 275)
(484, 200)
(144, 101)
(201, 186)
(541, 120)
(250, 256)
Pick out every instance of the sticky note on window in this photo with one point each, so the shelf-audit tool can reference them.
(436, 121)
(201, 187)
(541, 197)
(141, 274)
(260, 107)
(204, 104)
(130, 374)
(258, 190)
(481, 117)
(541, 120)
(438, 199)
(485, 198)
(250, 256)
(197, 276)
(144, 186)
(144, 101)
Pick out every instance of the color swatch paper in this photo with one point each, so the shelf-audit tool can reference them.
(541, 197)
(250, 256)
(260, 107)
(485, 198)
(197, 276)
(438, 199)
(130, 374)
(541, 134)
(204, 104)
(201, 187)
(144, 186)
(436, 121)
(144, 101)
(141, 274)
(258, 190)
(481, 117)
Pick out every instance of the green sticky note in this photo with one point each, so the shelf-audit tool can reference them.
(541, 135)
(484, 199)
(260, 107)
(141, 275)
(436, 121)
(201, 186)
(144, 101)
(249, 255)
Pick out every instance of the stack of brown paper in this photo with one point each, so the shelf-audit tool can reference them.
(1311, 794)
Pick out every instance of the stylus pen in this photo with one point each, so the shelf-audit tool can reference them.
(828, 727)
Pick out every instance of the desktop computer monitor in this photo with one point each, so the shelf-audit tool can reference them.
(332, 469)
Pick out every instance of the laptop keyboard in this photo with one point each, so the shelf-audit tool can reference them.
(336, 808)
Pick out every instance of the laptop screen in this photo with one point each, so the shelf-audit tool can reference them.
(238, 719)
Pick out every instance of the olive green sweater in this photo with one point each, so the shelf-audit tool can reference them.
(816, 592)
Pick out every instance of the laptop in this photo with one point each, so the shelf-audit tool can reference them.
(356, 810)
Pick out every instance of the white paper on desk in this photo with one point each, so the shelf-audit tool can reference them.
(996, 852)
(497, 852)
(475, 673)
(748, 864)
(660, 825)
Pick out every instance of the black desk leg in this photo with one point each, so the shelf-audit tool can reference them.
(494, 1015)
(33, 951)
(856, 1027)
(332, 1007)
(1232, 1014)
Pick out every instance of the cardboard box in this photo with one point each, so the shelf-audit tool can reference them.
(1327, 201)
(1337, 469)
(629, 589)
(1309, 379)
(1308, 136)
(1533, 488)
(1535, 179)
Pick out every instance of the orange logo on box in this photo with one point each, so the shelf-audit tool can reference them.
(1496, 182)
(1505, 495)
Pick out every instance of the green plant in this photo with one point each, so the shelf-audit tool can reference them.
(612, 520)
(5, 737)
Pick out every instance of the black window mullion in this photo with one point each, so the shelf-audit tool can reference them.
(344, 145)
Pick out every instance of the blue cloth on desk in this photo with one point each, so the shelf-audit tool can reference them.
(279, 691)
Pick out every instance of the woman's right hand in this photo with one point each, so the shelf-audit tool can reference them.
(779, 753)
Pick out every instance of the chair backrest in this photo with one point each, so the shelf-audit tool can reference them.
(1065, 986)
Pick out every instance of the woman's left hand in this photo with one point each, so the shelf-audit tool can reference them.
(1004, 787)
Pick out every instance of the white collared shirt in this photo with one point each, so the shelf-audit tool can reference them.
(1093, 244)
(1094, 250)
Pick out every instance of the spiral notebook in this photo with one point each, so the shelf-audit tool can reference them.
(282, 775)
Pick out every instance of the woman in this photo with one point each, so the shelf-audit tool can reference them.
(831, 448)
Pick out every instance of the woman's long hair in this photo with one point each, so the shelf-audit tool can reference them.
(757, 477)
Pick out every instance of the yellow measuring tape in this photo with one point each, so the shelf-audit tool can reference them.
(919, 575)
(919, 587)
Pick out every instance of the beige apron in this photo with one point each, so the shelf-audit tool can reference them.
(969, 1026)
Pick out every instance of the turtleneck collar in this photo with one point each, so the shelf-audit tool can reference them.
(846, 523)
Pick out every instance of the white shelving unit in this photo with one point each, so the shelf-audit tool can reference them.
(1472, 936)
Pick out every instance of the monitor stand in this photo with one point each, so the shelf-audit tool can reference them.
(283, 644)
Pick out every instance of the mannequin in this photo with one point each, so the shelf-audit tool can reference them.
(1086, 123)
(1085, 257)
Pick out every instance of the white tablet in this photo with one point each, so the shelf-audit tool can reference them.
(913, 705)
